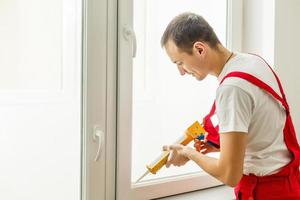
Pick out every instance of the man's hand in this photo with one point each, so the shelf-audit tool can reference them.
(203, 147)
(178, 154)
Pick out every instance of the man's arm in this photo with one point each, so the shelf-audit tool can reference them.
(228, 168)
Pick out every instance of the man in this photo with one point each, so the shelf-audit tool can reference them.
(259, 152)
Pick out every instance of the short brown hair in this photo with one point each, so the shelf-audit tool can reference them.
(187, 28)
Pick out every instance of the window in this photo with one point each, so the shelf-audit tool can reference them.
(156, 104)
(164, 103)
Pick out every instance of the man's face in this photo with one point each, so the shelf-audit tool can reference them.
(193, 64)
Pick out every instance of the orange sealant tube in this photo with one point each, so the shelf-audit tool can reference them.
(193, 132)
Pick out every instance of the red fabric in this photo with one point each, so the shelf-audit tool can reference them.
(213, 132)
(273, 187)
(284, 185)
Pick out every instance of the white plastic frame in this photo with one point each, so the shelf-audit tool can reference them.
(166, 186)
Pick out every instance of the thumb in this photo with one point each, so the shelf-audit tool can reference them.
(175, 147)
(165, 148)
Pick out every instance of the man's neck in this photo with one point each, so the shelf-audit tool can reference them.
(220, 57)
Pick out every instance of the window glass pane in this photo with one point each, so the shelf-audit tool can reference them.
(165, 103)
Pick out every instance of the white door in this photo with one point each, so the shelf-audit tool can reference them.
(40, 99)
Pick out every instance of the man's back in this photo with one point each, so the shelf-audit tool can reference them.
(242, 106)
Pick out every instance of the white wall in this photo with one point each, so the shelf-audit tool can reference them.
(287, 42)
(270, 29)
(258, 28)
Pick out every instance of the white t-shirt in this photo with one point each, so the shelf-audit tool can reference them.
(242, 106)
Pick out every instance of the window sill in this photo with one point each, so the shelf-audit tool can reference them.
(220, 192)
(181, 184)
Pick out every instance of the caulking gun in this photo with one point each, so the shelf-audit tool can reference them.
(195, 131)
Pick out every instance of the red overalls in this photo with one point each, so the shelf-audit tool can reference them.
(284, 185)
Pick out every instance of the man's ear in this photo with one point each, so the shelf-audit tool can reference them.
(199, 47)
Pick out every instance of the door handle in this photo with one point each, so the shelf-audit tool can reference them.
(98, 135)
(129, 34)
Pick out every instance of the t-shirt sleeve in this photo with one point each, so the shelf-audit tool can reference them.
(234, 108)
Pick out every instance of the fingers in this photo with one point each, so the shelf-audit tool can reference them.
(174, 158)
(172, 147)
(203, 147)
(205, 137)
(175, 147)
(165, 148)
(171, 158)
(197, 146)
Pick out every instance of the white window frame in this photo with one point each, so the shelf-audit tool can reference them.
(166, 186)
(99, 105)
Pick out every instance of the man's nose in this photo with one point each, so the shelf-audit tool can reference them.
(182, 70)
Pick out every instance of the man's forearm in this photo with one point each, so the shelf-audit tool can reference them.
(208, 164)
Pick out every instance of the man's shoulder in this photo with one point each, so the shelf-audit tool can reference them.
(253, 65)
(228, 90)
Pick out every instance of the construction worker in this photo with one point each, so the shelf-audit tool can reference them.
(259, 152)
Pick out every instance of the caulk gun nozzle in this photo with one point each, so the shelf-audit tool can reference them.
(145, 174)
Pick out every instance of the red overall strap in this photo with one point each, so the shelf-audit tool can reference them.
(252, 79)
(290, 141)
(213, 135)
(277, 79)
